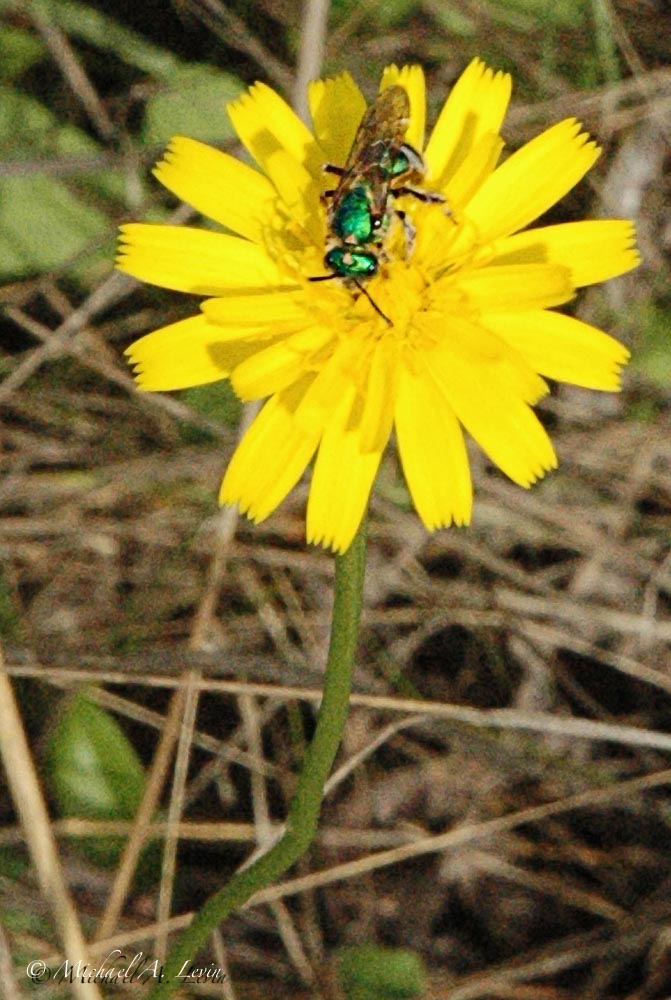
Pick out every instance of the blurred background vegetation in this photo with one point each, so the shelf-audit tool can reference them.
(537, 859)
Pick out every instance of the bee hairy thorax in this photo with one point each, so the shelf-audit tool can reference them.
(380, 167)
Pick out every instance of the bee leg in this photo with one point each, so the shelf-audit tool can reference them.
(408, 231)
(330, 168)
(419, 193)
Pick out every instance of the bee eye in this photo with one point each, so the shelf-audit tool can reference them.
(400, 165)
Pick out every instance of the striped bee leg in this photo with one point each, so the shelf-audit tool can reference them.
(419, 193)
(408, 231)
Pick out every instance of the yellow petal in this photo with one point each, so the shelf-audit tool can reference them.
(336, 107)
(435, 233)
(299, 190)
(184, 354)
(322, 396)
(265, 122)
(562, 348)
(246, 315)
(593, 251)
(531, 180)
(342, 479)
(474, 349)
(271, 457)
(276, 367)
(195, 260)
(477, 105)
(488, 398)
(473, 171)
(510, 286)
(411, 78)
(218, 186)
(379, 397)
(282, 146)
(432, 452)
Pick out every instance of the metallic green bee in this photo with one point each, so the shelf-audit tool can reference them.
(381, 166)
(359, 208)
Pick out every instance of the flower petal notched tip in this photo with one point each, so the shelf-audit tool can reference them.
(326, 541)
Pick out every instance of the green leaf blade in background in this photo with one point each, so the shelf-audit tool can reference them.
(371, 972)
(94, 773)
(193, 104)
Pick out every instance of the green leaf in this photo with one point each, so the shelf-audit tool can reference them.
(541, 14)
(369, 972)
(29, 129)
(19, 50)
(652, 350)
(393, 12)
(24, 123)
(94, 772)
(192, 104)
(42, 225)
(215, 400)
(607, 43)
(454, 20)
(46, 220)
(81, 22)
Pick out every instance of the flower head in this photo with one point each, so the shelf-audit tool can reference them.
(453, 331)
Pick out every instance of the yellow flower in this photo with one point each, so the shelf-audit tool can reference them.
(468, 301)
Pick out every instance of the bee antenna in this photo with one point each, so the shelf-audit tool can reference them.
(374, 304)
(329, 277)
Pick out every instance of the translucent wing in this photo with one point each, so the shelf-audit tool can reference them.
(384, 123)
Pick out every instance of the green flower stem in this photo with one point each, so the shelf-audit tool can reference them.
(304, 810)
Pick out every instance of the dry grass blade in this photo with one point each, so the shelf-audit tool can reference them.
(31, 807)
(175, 808)
(139, 832)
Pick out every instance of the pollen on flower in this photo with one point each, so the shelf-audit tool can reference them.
(367, 283)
